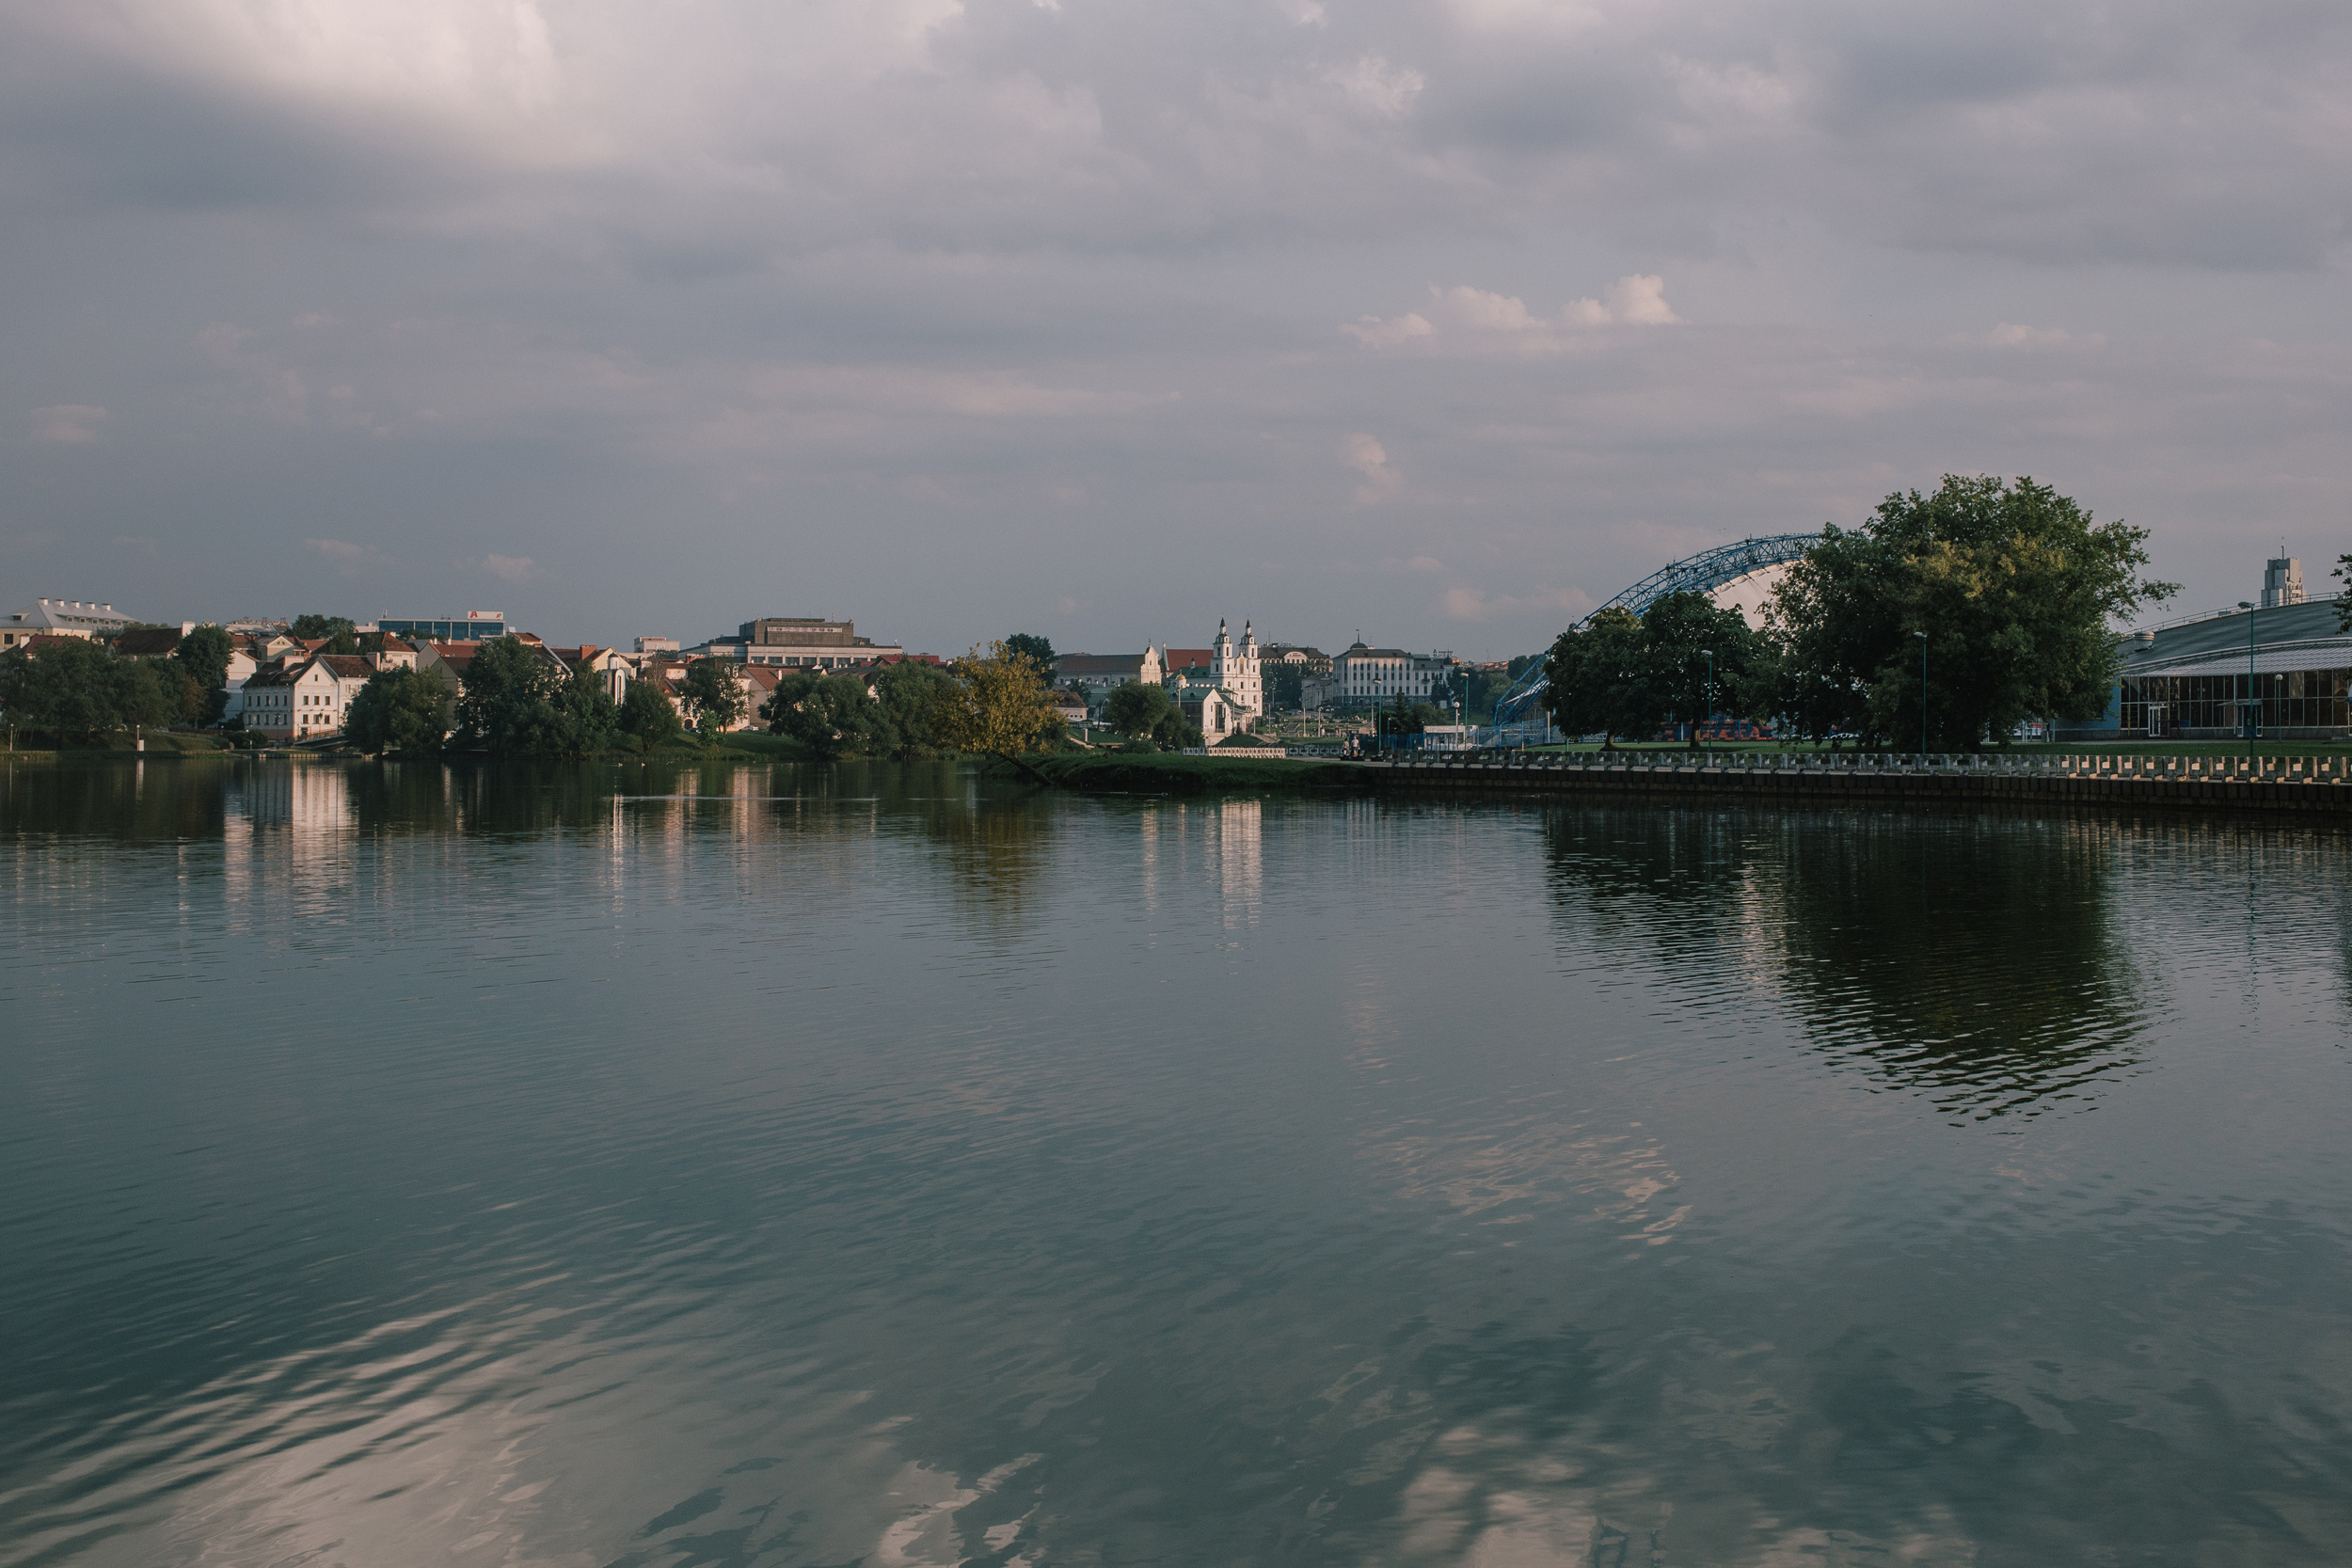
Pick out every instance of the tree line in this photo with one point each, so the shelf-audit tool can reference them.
(514, 701)
(81, 688)
(995, 701)
(517, 702)
(1969, 609)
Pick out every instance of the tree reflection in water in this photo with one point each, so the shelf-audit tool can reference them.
(1973, 959)
(131, 801)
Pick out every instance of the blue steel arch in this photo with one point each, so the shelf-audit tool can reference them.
(1702, 573)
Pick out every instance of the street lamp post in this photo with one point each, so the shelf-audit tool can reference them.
(1707, 713)
(2250, 710)
(1923, 691)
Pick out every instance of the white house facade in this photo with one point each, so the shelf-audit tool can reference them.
(305, 700)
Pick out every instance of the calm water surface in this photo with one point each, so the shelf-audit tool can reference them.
(803, 1166)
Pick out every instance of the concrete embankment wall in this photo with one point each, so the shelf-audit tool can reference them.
(2287, 785)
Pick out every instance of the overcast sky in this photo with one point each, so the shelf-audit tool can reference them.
(1102, 319)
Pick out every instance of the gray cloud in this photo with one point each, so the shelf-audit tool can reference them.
(1101, 317)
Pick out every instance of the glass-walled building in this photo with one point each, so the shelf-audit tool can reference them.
(2286, 668)
(473, 627)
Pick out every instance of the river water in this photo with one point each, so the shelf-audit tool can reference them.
(748, 1166)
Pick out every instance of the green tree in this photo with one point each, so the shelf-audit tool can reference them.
(1599, 678)
(519, 703)
(1682, 630)
(1284, 685)
(1620, 673)
(342, 635)
(187, 702)
(2011, 586)
(587, 719)
(399, 710)
(203, 654)
(1036, 650)
(1002, 709)
(647, 713)
(834, 715)
(1138, 709)
(80, 687)
(918, 704)
(2344, 601)
(1175, 732)
(712, 694)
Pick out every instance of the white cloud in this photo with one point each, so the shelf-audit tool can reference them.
(1370, 459)
(1640, 300)
(511, 568)
(1375, 86)
(68, 425)
(2011, 335)
(348, 558)
(1373, 332)
(1478, 321)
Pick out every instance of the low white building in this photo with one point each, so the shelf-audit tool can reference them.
(1367, 677)
(83, 618)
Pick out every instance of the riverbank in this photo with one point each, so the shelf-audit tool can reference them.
(1173, 773)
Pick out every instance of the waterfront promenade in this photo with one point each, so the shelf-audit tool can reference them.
(2281, 783)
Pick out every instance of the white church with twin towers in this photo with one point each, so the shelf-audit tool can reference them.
(1220, 687)
(1225, 692)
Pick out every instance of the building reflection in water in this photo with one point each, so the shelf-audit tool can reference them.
(1237, 850)
(1975, 960)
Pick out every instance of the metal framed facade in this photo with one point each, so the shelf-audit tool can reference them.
(2295, 700)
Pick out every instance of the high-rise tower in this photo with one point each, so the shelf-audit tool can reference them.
(2282, 579)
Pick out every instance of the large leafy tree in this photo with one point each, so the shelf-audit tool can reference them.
(1036, 650)
(2344, 601)
(1705, 659)
(917, 702)
(203, 657)
(2009, 587)
(1598, 676)
(1002, 709)
(519, 703)
(399, 710)
(1622, 674)
(648, 714)
(342, 635)
(587, 719)
(834, 715)
(1138, 708)
(713, 695)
